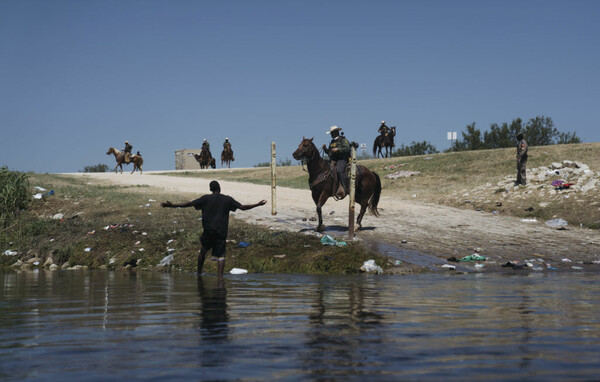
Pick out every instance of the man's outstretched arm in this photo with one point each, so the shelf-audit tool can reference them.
(245, 207)
(168, 204)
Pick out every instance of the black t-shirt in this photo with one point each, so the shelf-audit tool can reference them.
(215, 212)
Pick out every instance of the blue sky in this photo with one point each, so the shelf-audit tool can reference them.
(77, 77)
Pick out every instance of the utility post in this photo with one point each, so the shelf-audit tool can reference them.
(352, 193)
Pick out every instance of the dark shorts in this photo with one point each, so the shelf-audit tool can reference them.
(212, 240)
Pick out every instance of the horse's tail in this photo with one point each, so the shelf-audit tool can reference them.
(375, 147)
(376, 194)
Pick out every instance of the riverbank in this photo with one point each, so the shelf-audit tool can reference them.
(454, 206)
(85, 225)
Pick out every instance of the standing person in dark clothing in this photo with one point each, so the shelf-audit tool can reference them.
(215, 222)
(522, 147)
(339, 152)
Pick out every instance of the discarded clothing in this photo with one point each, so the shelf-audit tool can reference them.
(474, 257)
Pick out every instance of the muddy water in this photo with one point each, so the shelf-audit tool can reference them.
(72, 325)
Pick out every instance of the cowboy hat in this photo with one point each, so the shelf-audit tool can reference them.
(332, 129)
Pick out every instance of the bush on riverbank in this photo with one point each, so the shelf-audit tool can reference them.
(14, 195)
(112, 227)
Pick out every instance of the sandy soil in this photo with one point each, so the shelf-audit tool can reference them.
(431, 232)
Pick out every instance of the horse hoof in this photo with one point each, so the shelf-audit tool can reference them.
(320, 229)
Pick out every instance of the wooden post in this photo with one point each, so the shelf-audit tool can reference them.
(273, 181)
(352, 193)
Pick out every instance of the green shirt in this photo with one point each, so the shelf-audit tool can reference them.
(343, 146)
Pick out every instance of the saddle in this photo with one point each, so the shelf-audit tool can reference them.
(338, 190)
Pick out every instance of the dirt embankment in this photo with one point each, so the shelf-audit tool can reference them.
(409, 230)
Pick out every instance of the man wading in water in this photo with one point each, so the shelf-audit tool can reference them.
(215, 222)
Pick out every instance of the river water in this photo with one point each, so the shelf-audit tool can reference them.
(97, 325)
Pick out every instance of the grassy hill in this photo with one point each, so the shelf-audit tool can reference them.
(469, 179)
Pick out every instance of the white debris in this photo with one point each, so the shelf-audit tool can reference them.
(238, 271)
(8, 252)
(370, 266)
(166, 261)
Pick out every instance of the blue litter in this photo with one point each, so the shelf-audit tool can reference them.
(243, 244)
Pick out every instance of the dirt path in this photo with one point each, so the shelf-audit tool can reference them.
(433, 231)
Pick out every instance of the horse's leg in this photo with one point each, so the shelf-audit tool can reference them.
(320, 199)
(363, 209)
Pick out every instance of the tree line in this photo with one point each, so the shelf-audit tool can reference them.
(538, 131)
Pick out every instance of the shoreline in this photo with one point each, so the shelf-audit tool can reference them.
(424, 228)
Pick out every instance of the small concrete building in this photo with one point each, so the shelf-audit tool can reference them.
(184, 159)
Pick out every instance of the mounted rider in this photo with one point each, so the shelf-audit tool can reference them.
(339, 152)
(206, 147)
(127, 152)
(227, 144)
(384, 130)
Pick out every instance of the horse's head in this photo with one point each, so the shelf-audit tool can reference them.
(393, 130)
(110, 151)
(305, 150)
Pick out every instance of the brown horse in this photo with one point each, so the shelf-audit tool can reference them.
(384, 141)
(137, 160)
(205, 159)
(227, 156)
(321, 182)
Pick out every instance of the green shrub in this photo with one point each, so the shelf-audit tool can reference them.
(100, 167)
(14, 195)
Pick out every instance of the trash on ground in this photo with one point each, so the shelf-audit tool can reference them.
(514, 265)
(58, 216)
(279, 256)
(474, 257)
(8, 252)
(565, 260)
(170, 249)
(37, 196)
(397, 262)
(88, 249)
(370, 266)
(550, 267)
(91, 232)
(328, 240)
(238, 271)
(243, 244)
(141, 250)
(576, 267)
(479, 266)
(453, 258)
(170, 241)
(40, 188)
(166, 261)
(393, 166)
(449, 266)
(529, 220)
(555, 223)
